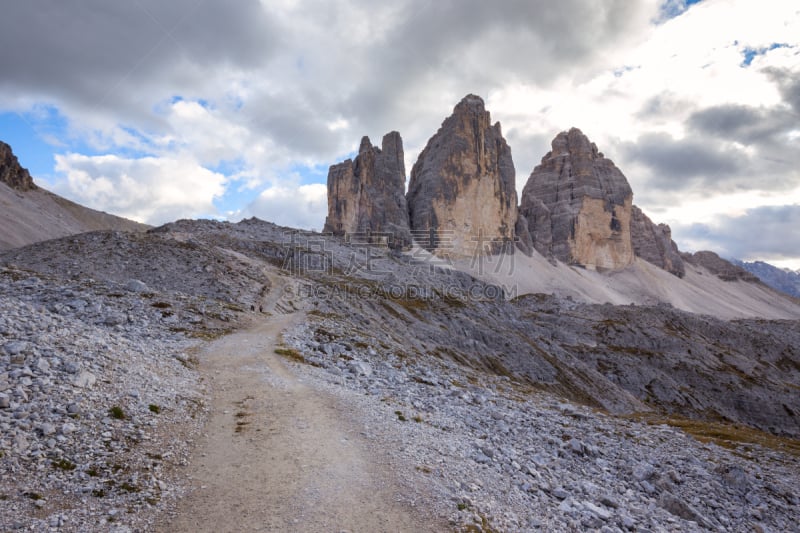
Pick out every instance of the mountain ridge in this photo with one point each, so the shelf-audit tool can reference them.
(29, 213)
(781, 279)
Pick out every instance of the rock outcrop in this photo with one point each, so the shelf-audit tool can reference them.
(366, 195)
(462, 188)
(578, 205)
(39, 215)
(654, 243)
(12, 173)
(724, 270)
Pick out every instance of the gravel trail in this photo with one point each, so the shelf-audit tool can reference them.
(279, 455)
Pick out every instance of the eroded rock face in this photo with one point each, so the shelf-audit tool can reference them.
(654, 243)
(724, 270)
(578, 205)
(366, 196)
(11, 173)
(462, 186)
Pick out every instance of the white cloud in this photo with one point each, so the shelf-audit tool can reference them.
(304, 206)
(151, 190)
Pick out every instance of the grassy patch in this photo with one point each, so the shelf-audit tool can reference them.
(727, 435)
(400, 416)
(117, 413)
(154, 408)
(290, 353)
(64, 464)
(127, 487)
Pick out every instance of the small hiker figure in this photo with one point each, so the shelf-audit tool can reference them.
(260, 309)
(253, 308)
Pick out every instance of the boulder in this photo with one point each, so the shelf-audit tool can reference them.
(461, 197)
(366, 196)
(578, 205)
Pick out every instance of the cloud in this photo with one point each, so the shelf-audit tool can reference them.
(767, 233)
(150, 190)
(304, 206)
(681, 163)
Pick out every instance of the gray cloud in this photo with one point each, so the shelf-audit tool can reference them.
(682, 163)
(789, 84)
(767, 233)
(745, 124)
(726, 148)
(122, 57)
(399, 65)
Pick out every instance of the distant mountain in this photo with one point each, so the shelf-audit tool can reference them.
(30, 214)
(780, 279)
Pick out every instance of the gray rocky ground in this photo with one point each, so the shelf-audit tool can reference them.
(534, 414)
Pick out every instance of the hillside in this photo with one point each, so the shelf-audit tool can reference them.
(536, 412)
(31, 214)
(642, 283)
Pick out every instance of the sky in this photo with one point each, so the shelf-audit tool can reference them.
(202, 108)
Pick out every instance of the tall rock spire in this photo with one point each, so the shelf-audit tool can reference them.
(578, 204)
(366, 195)
(462, 186)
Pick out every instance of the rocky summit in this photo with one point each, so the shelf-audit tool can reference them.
(578, 204)
(366, 196)
(12, 173)
(461, 196)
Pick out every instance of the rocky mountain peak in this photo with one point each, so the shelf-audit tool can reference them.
(574, 141)
(462, 185)
(577, 205)
(366, 195)
(12, 173)
(365, 145)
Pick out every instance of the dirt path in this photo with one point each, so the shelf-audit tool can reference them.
(279, 455)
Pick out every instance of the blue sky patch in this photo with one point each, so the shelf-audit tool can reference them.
(674, 8)
(751, 53)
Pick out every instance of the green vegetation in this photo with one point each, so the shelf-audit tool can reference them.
(127, 487)
(64, 464)
(290, 353)
(725, 434)
(117, 413)
(154, 408)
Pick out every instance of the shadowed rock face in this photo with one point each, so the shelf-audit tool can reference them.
(578, 205)
(654, 243)
(11, 173)
(365, 196)
(462, 186)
